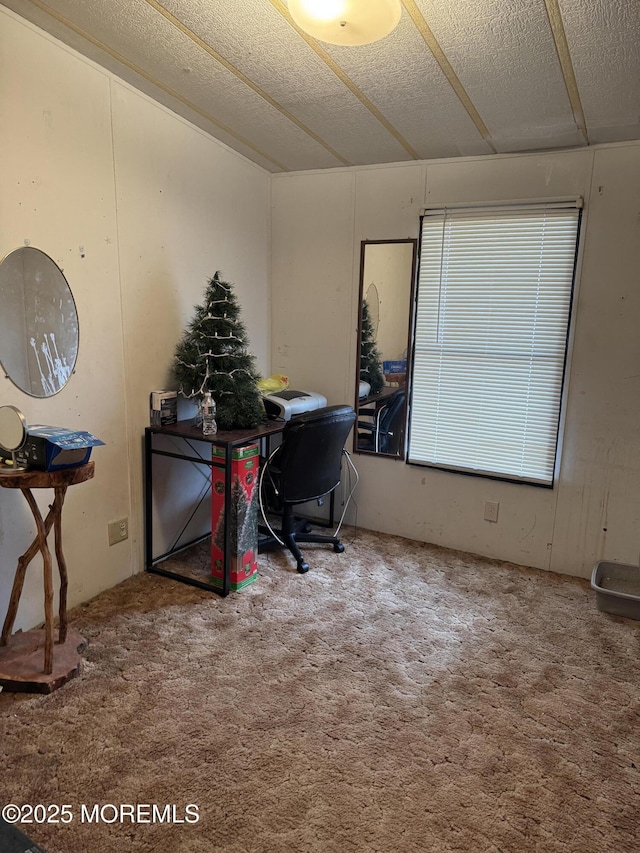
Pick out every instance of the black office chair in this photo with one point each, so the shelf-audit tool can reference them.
(305, 467)
(382, 430)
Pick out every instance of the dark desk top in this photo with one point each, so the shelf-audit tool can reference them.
(235, 437)
(381, 397)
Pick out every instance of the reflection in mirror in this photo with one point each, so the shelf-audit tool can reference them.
(38, 324)
(387, 270)
(373, 307)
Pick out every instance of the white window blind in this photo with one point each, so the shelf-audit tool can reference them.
(492, 315)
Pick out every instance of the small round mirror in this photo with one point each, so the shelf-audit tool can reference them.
(13, 434)
(38, 323)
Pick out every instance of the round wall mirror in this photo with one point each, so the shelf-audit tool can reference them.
(38, 323)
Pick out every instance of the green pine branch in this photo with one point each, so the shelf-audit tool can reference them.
(370, 360)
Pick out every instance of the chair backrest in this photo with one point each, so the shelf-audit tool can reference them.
(391, 424)
(309, 461)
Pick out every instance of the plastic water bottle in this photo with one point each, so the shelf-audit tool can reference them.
(209, 425)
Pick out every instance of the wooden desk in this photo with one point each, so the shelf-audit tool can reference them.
(227, 439)
(17, 652)
(379, 399)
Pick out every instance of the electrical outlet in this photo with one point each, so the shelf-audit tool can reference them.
(118, 530)
(491, 510)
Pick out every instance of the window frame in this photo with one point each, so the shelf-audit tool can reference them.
(530, 204)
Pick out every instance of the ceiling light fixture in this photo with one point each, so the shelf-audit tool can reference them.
(346, 22)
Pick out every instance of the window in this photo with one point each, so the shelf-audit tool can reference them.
(492, 317)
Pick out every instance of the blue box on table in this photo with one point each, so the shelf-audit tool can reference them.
(49, 448)
(398, 366)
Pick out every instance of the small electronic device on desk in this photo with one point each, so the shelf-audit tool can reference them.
(283, 405)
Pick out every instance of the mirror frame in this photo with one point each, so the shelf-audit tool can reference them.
(13, 422)
(17, 423)
(401, 455)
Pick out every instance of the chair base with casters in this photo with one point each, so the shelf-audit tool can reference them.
(296, 530)
(306, 467)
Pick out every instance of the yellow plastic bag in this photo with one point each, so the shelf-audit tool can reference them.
(277, 382)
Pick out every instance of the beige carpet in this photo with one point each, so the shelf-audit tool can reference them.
(399, 697)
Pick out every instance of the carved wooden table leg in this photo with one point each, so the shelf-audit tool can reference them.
(21, 653)
(18, 582)
(56, 509)
(48, 580)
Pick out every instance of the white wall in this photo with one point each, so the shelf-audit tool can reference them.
(593, 512)
(158, 206)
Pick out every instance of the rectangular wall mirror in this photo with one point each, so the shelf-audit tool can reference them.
(387, 273)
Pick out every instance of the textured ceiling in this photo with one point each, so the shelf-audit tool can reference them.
(456, 78)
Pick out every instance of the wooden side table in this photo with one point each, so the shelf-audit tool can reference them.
(20, 653)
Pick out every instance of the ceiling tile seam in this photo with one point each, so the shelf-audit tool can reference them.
(203, 45)
(167, 89)
(566, 64)
(346, 80)
(452, 78)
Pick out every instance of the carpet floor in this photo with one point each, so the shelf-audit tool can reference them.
(398, 697)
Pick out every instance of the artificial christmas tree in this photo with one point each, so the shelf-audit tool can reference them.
(213, 356)
(370, 362)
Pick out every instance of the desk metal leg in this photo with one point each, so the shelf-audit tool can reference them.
(150, 562)
(148, 501)
(227, 522)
